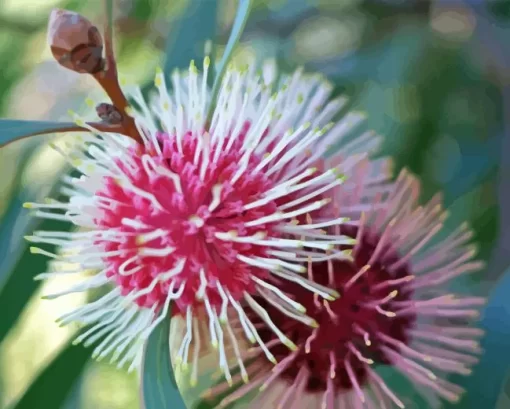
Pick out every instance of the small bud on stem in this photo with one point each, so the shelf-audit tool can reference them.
(109, 114)
(77, 45)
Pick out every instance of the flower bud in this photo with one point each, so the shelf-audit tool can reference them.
(75, 42)
(109, 113)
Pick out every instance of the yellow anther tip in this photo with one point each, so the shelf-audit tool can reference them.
(28, 205)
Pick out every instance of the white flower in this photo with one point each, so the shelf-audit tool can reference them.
(204, 216)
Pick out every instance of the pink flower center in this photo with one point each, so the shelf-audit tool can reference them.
(167, 213)
(356, 330)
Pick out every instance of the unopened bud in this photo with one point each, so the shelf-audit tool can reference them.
(75, 42)
(109, 113)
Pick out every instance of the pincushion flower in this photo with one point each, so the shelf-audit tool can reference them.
(207, 216)
(394, 310)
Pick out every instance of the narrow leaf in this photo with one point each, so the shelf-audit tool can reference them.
(187, 40)
(484, 386)
(13, 129)
(11, 224)
(17, 266)
(109, 17)
(243, 11)
(159, 388)
(52, 386)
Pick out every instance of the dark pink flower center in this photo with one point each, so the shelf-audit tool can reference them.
(352, 330)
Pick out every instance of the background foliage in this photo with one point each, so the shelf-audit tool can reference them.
(433, 77)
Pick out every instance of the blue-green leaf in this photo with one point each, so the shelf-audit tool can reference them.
(53, 385)
(484, 386)
(109, 16)
(159, 388)
(17, 266)
(187, 40)
(13, 129)
(243, 11)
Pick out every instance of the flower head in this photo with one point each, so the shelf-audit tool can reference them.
(207, 216)
(393, 310)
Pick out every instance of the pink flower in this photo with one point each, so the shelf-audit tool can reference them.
(203, 217)
(394, 310)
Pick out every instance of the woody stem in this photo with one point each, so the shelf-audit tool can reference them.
(109, 81)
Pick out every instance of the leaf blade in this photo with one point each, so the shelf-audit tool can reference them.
(53, 385)
(243, 12)
(484, 385)
(159, 388)
(12, 129)
(18, 267)
(195, 27)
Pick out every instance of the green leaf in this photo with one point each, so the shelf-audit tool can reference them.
(504, 397)
(53, 385)
(109, 16)
(13, 129)
(17, 266)
(187, 40)
(484, 386)
(243, 11)
(159, 388)
(11, 223)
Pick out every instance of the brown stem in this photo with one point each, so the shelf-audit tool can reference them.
(110, 84)
(109, 81)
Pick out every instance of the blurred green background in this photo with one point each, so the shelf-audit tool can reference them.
(433, 77)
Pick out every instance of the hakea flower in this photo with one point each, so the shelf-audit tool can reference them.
(204, 216)
(394, 310)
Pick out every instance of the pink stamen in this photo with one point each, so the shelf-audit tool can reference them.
(353, 380)
(382, 242)
(362, 332)
(328, 400)
(450, 341)
(310, 339)
(358, 354)
(380, 383)
(395, 282)
(331, 313)
(332, 364)
(292, 389)
(357, 276)
(279, 368)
